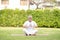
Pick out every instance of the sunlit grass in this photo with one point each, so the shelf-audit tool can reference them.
(53, 34)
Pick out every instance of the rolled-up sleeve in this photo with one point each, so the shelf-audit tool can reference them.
(25, 24)
(35, 24)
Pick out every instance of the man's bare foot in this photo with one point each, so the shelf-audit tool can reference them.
(33, 34)
(26, 34)
(29, 34)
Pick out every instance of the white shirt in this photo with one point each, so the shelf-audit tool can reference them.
(31, 24)
(30, 27)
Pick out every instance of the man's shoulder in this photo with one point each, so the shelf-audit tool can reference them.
(26, 21)
(33, 21)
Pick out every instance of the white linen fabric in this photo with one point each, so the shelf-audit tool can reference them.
(30, 27)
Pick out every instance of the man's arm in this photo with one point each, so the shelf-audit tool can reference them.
(25, 25)
(36, 25)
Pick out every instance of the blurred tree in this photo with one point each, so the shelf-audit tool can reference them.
(49, 0)
(38, 2)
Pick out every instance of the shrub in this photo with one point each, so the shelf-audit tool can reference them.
(43, 17)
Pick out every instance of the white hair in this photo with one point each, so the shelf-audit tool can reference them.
(30, 16)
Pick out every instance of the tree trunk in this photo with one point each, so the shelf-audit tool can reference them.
(28, 4)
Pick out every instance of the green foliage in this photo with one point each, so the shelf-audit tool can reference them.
(43, 17)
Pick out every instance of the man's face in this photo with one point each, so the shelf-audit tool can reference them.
(30, 19)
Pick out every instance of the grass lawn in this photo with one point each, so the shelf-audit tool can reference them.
(44, 34)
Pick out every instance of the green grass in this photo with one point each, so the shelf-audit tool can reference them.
(5, 34)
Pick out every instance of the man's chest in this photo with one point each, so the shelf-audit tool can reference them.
(30, 24)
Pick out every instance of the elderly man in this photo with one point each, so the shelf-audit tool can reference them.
(30, 26)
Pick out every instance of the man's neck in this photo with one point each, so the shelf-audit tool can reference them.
(30, 21)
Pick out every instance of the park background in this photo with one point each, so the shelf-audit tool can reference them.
(46, 13)
(13, 14)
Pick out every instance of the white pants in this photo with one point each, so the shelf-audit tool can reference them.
(30, 31)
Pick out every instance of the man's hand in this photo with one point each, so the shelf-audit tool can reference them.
(25, 27)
